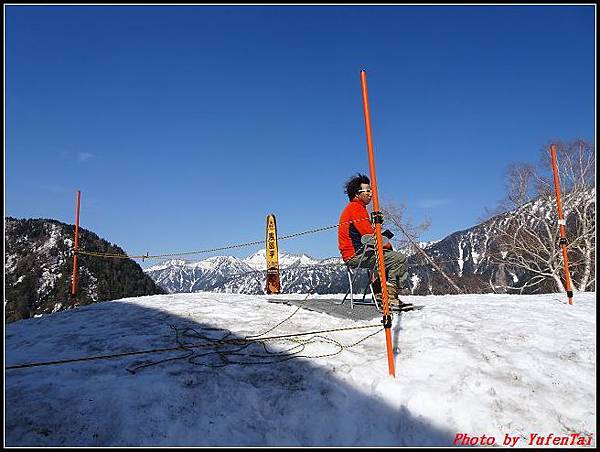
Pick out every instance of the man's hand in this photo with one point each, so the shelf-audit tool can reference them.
(369, 240)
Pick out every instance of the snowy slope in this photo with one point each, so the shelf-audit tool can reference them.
(476, 364)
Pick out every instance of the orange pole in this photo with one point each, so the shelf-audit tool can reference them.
(378, 220)
(75, 249)
(561, 224)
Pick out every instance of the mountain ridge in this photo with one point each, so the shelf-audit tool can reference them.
(465, 256)
(39, 265)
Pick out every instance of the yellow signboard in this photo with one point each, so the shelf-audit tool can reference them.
(272, 254)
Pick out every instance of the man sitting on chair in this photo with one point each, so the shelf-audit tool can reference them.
(356, 239)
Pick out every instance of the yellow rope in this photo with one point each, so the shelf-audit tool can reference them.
(161, 350)
(257, 242)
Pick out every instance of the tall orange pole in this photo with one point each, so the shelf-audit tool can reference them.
(377, 218)
(561, 224)
(75, 249)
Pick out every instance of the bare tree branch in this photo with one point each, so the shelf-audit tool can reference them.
(397, 217)
(529, 241)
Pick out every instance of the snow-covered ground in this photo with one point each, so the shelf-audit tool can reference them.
(492, 365)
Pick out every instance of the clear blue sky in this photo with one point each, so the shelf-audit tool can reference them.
(184, 126)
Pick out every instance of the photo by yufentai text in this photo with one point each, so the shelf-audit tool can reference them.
(533, 439)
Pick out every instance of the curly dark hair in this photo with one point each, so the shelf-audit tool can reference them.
(353, 185)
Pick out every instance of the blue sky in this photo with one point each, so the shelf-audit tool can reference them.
(184, 126)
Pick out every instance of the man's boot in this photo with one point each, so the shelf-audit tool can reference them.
(392, 296)
(392, 292)
(393, 300)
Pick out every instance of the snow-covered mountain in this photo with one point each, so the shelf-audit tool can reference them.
(465, 256)
(212, 274)
(39, 264)
(258, 260)
(298, 274)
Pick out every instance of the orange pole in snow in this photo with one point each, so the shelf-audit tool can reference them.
(377, 217)
(75, 249)
(561, 224)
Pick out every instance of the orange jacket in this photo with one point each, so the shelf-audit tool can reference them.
(353, 224)
(350, 230)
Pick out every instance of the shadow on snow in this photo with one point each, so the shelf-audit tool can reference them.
(177, 403)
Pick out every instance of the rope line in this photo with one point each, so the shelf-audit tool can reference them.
(242, 344)
(162, 350)
(284, 270)
(234, 347)
(246, 342)
(240, 245)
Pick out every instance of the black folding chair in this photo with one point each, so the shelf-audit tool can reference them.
(352, 273)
